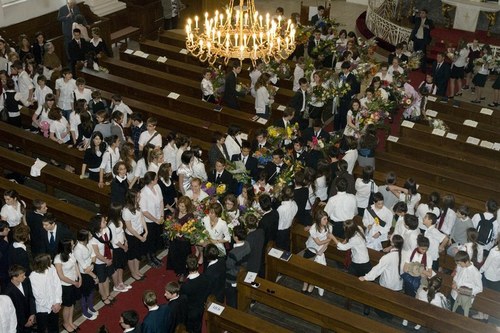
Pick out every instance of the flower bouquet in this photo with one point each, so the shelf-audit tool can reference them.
(242, 89)
(272, 90)
(321, 94)
(208, 188)
(284, 71)
(194, 231)
(407, 101)
(218, 80)
(263, 155)
(340, 89)
(221, 189)
(438, 124)
(414, 60)
(172, 228)
(287, 176)
(239, 171)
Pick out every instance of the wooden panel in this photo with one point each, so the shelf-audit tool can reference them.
(146, 16)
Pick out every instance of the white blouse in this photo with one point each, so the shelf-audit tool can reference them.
(363, 191)
(320, 235)
(358, 248)
(12, 215)
(47, 289)
(385, 215)
(68, 268)
(287, 211)
(135, 220)
(118, 234)
(151, 202)
(467, 277)
(411, 201)
(389, 271)
(60, 129)
(491, 266)
(83, 255)
(262, 100)
(219, 232)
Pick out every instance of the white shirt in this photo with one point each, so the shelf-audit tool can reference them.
(43, 113)
(65, 93)
(387, 77)
(74, 121)
(449, 221)
(385, 215)
(151, 202)
(287, 211)
(469, 248)
(219, 232)
(83, 255)
(491, 266)
(199, 171)
(118, 234)
(254, 76)
(351, 156)
(41, 93)
(47, 289)
(398, 69)
(135, 220)
(389, 198)
(170, 154)
(25, 85)
(436, 301)
(341, 207)
(320, 235)
(201, 196)
(358, 248)
(416, 258)
(125, 109)
(8, 321)
(389, 271)
(140, 169)
(68, 268)
(298, 73)
(411, 201)
(423, 209)
(262, 100)
(435, 238)
(467, 277)
(60, 128)
(409, 236)
(475, 221)
(145, 137)
(321, 188)
(363, 191)
(207, 87)
(100, 246)
(233, 145)
(12, 215)
(86, 94)
(461, 60)
(109, 159)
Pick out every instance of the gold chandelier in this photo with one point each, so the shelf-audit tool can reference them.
(240, 33)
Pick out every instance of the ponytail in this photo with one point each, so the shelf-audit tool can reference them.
(472, 235)
(397, 242)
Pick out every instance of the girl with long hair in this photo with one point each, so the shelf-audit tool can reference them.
(93, 156)
(119, 243)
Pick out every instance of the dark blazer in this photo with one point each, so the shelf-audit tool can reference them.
(255, 145)
(297, 100)
(308, 133)
(315, 20)
(402, 58)
(251, 164)
(427, 31)
(281, 123)
(300, 157)
(272, 172)
(38, 52)
(214, 153)
(256, 240)
(67, 22)
(230, 97)
(441, 77)
(34, 221)
(24, 304)
(312, 157)
(216, 274)
(62, 232)
(19, 256)
(178, 312)
(77, 52)
(353, 83)
(269, 223)
(119, 191)
(157, 321)
(225, 178)
(196, 292)
(311, 45)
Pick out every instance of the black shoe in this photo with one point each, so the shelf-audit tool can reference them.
(366, 310)
(493, 105)
(476, 101)
(156, 260)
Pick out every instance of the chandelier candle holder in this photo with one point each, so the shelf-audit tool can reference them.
(241, 33)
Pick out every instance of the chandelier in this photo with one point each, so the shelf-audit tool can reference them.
(241, 33)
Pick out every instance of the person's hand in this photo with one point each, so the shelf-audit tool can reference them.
(89, 269)
(78, 283)
(56, 307)
(125, 247)
(30, 322)
(101, 184)
(143, 239)
(377, 235)
(361, 278)
(108, 262)
(387, 249)
(454, 285)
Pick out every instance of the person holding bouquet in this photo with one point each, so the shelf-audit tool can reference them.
(216, 228)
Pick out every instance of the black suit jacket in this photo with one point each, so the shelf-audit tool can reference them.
(311, 45)
(214, 153)
(402, 58)
(225, 178)
(76, 52)
(196, 292)
(255, 145)
(230, 94)
(19, 256)
(34, 221)
(62, 232)
(297, 100)
(67, 22)
(216, 274)
(353, 83)
(269, 223)
(272, 172)
(308, 133)
(441, 77)
(178, 312)
(24, 304)
(157, 321)
(256, 241)
(416, 25)
(251, 164)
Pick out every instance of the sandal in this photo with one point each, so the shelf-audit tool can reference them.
(107, 301)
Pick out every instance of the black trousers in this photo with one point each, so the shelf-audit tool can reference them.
(171, 23)
(153, 240)
(47, 322)
(421, 45)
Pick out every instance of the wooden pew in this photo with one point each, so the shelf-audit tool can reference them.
(466, 110)
(156, 96)
(73, 216)
(34, 144)
(373, 295)
(56, 178)
(488, 301)
(236, 321)
(423, 133)
(445, 180)
(482, 131)
(327, 316)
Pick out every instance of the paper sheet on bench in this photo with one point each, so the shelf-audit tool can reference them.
(281, 108)
(173, 95)
(145, 55)
(486, 144)
(129, 51)
(431, 113)
(275, 253)
(216, 308)
(138, 53)
(432, 98)
(244, 136)
(486, 111)
(471, 123)
(183, 51)
(250, 277)
(36, 168)
(262, 121)
(407, 123)
(162, 59)
(392, 138)
(438, 132)
(452, 136)
(473, 140)
(496, 146)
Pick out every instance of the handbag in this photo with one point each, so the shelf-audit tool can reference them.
(465, 291)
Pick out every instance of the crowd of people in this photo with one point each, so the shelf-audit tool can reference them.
(45, 268)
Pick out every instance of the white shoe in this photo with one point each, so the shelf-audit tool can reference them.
(120, 290)
(417, 327)
(405, 322)
(93, 317)
(95, 313)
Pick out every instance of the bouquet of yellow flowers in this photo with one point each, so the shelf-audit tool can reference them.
(221, 189)
(172, 227)
(194, 231)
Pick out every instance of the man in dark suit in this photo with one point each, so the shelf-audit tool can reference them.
(177, 305)
(318, 19)
(196, 291)
(421, 34)
(397, 54)
(158, 318)
(260, 140)
(441, 73)
(77, 49)
(269, 223)
(255, 238)
(218, 149)
(221, 176)
(54, 233)
(340, 119)
(275, 167)
(286, 120)
(250, 162)
(314, 41)
(299, 150)
(317, 131)
(34, 220)
(230, 97)
(299, 103)
(215, 272)
(23, 301)
(129, 321)
(66, 16)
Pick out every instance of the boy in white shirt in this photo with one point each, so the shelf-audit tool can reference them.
(26, 87)
(41, 90)
(377, 219)
(65, 86)
(408, 229)
(298, 73)
(466, 284)
(117, 104)
(437, 239)
(150, 135)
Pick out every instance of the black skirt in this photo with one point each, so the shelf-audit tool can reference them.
(136, 248)
(457, 72)
(177, 254)
(479, 80)
(496, 84)
(119, 258)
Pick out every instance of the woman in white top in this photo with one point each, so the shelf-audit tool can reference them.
(41, 114)
(320, 235)
(262, 98)
(155, 160)
(216, 227)
(119, 243)
(389, 267)
(170, 152)
(315, 104)
(448, 216)
(196, 194)
(151, 204)
(185, 171)
(432, 206)
(198, 167)
(71, 280)
(473, 249)
(182, 142)
(109, 158)
(491, 274)
(482, 74)
(81, 92)
(85, 257)
(59, 127)
(286, 211)
(14, 210)
(47, 291)
(142, 165)
(233, 140)
(255, 75)
(322, 180)
(365, 186)
(136, 232)
(459, 58)
(352, 127)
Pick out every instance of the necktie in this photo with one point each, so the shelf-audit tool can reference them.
(79, 44)
(438, 66)
(217, 179)
(107, 248)
(441, 220)
(52, 240)
(260, 145)
(244, 160)
(317, 42)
